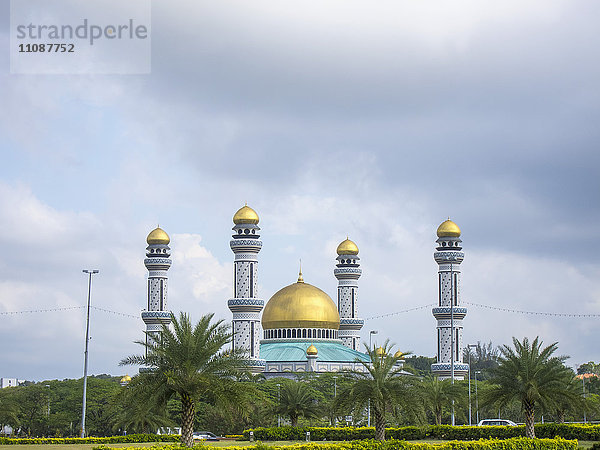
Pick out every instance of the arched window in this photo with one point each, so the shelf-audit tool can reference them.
(309, 333)
(293, 333)
(304, 333)
(319, 333)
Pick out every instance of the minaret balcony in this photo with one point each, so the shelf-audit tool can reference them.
(347, 272)
(156, 317)
(448, 256)
(245, 304)
(157, 263)
(349, 323)
(249, 245)
(445, 369)
(445, 312)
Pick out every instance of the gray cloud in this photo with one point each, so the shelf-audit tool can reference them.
(329, 118)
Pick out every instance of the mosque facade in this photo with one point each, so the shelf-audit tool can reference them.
(301, 329)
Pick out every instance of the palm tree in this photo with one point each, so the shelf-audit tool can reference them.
(573, 403)
(297, 399)
(530, 374)
(189, 362)
(438, 394)
(380, 385)
(132, 415)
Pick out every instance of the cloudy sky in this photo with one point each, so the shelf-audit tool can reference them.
(330, 118)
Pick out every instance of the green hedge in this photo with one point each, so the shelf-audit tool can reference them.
(490, 444)
(445, 432)
(93, 440)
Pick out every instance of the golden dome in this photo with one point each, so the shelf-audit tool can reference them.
(158, 236)
(448, 229)
(300, 305)
(347, 247)
(398, 354)
(312, 350)
(126, 379)
(245, 215)
(379, 351)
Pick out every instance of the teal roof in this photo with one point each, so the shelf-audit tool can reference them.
(329, 351)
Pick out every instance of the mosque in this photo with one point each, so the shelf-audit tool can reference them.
(302, 329)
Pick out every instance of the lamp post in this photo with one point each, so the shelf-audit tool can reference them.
(87, 340)
(279, 402)
(371, 333)
(48, 413)
(476, 399)
(470, 346)
(334, 397)
(583, 380)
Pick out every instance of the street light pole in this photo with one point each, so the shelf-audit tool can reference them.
(87, 340)
(371, 333)
(48, 413)
(470, 346)
(334, 397)
(279, 401)
(476, 399)
(583, 379)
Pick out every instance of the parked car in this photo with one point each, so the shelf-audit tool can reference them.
(204, 436)
(496, 422)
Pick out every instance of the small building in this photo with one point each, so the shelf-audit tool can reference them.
(10, 382)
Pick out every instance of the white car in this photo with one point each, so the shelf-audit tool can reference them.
(496, 423)
(204, 436)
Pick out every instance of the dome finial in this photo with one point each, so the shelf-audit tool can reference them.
(347, 247)
(448, 229)
(245, 215)
(300, 279)
(158, 236)
(312, 350)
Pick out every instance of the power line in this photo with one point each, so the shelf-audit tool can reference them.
(115, 312)
(535, 313)
(33, 311)
(479, 305)
(494, 308)
(401, 312)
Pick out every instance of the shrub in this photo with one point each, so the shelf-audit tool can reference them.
(520, 443)
(444, 432)
(131, 438)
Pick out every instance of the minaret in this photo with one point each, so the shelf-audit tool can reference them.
(158, 263)
(348, 272)
(448, 313)
(245, 304)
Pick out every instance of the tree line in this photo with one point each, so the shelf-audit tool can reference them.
(196, 382)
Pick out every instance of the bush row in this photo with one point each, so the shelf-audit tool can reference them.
(519, 443)
(93, 440)
(445, 432)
